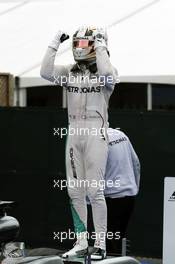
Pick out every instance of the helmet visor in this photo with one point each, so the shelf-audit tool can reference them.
(82, 43)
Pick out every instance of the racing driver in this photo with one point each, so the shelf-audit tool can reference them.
(89, 84)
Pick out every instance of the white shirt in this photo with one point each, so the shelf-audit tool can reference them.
(122, 175)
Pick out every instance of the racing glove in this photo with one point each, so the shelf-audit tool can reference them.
(100, 38)
(59, 38)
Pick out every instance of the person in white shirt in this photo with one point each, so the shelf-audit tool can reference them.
(122, 178)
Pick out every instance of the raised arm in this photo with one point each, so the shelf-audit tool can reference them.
(104, 65)
(50, 71)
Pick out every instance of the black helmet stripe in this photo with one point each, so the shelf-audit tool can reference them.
(75, 34)
(89, 32)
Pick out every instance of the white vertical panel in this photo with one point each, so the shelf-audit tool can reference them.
(169, 221)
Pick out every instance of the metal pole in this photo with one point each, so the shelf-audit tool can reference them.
(123, 246)
(149, 97)
(23, 97)
(17, 85)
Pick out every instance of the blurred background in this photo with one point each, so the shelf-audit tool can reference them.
(141, 44)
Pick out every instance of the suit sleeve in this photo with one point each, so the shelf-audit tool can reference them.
(57, 74)
(105, 68)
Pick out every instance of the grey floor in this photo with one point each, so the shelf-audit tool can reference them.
(49, 251)
(149, 260)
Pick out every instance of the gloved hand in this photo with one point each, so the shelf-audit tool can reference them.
(100, 36)
(59, 38)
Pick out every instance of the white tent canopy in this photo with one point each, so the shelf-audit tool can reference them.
(141, 35)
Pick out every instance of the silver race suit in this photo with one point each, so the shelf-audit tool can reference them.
(89, 88)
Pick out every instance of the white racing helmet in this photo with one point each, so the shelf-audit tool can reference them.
(83, 43)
